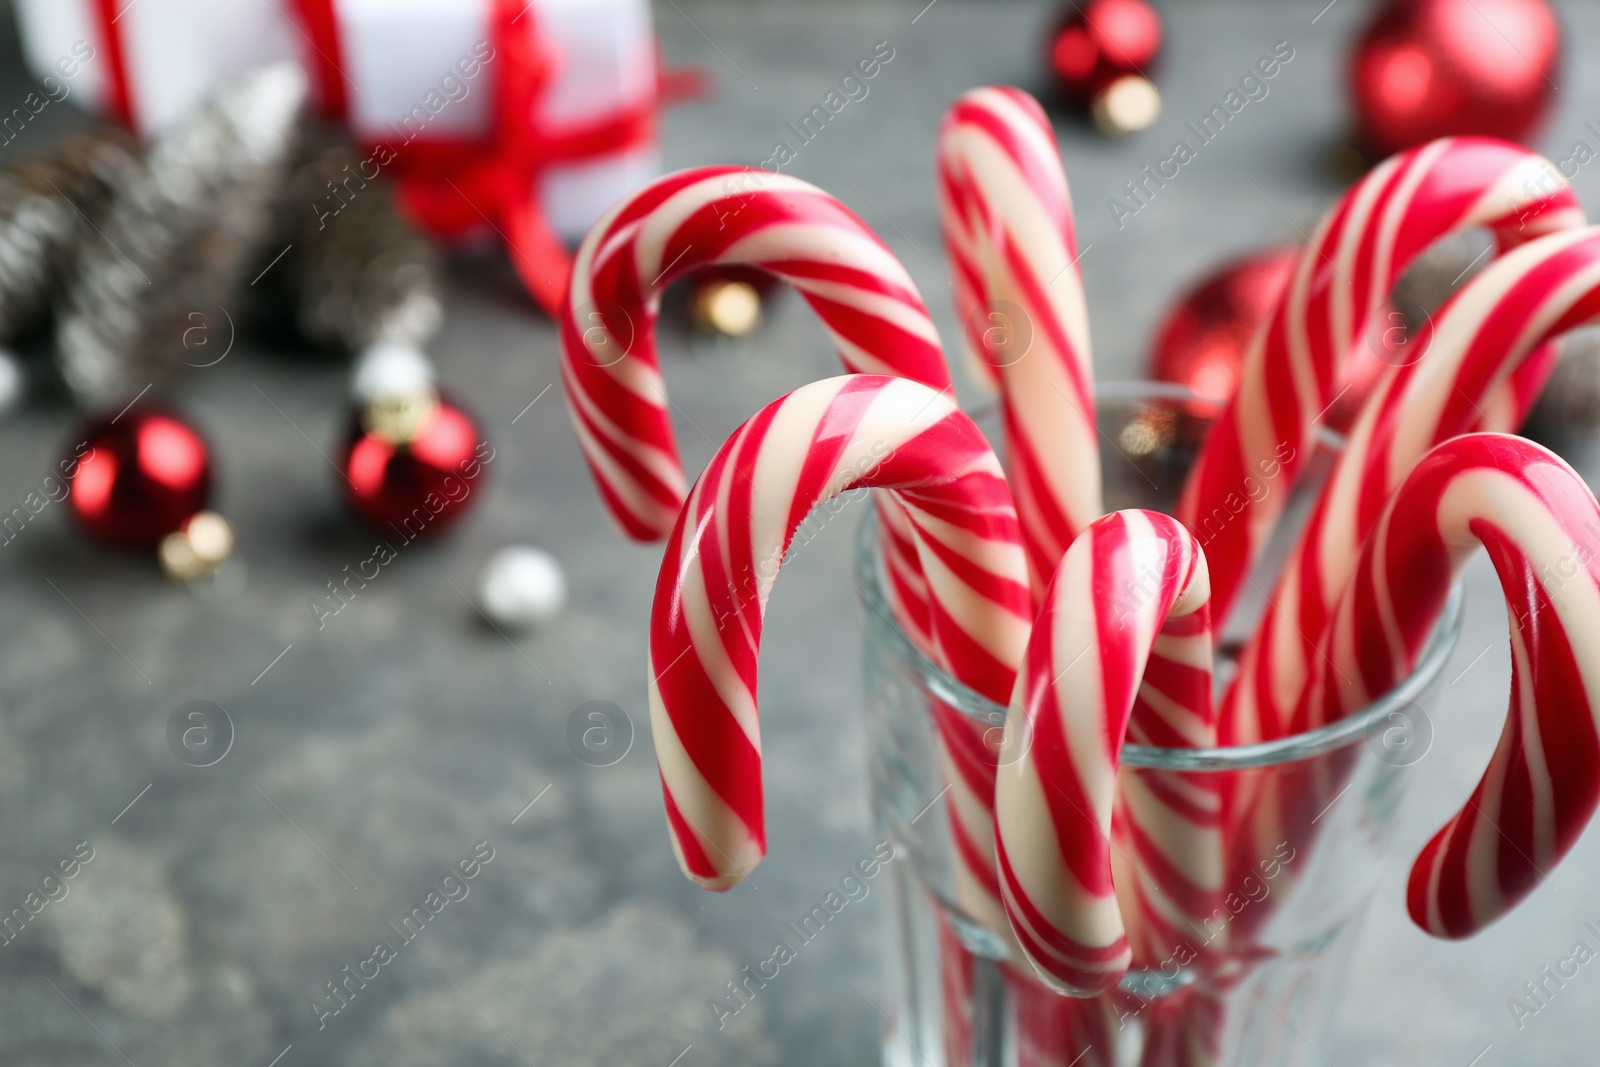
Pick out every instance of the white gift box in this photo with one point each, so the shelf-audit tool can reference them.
(397, 52)
(394, 54)
(175, 51)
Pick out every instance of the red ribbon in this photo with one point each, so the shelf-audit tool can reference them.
(326, 61)
(119, 102)
(449, 187)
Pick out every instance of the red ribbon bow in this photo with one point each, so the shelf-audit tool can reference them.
(450, 187)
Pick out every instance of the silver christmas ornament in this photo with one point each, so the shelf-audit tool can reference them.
(522, 587)
(388, 369)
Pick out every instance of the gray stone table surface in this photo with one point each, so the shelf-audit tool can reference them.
(379, 749)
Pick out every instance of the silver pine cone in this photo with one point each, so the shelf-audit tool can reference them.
(358, 273)
(177, 239)
(49, 203)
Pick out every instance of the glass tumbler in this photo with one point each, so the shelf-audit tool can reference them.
(1253, 984)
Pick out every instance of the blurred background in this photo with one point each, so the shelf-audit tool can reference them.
(268, 765)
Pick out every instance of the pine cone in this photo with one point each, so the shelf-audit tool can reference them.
(49, 203)
(358, 273)
(177, 238)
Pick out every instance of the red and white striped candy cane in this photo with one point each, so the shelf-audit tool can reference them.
(1290, 370)
(1167, 825)
(694, 218)
(1541, 527)
(1006, 216)
(1046, 1029)
(1130, 592)
(728, 215)
(904, 586)
(1489, 343)
(805, 448)
(1185, 1028)
(1056, 1031)
(956, 1000)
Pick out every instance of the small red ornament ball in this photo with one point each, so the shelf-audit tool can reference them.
(416, 474)
(1202, 341)
(1438, 68)
(138, 477)
(1100, 54)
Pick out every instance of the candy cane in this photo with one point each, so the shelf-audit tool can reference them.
(721, 215)
(1487, 345)
(1046, 1029)
(1007, 221)
(1166, 825)
(1055, 1031)
(905, 589)
(1185, 1028)
(1360, 249)
(694, 218)
(1169, 886)
(1481, 361)
(1131, 591)
(1541, 527)
(956, 1001)
(820, 440)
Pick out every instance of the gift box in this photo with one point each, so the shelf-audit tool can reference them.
(429, 79)
(421, 75)
(145, 64)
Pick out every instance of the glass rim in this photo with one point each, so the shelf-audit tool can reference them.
(1339, 734)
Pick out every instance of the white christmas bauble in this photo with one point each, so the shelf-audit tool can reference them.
(387, 369)
(522, 587)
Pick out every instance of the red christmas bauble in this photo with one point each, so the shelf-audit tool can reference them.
(1437, 68)
(138, 477)
(415, 473)
(1202, 342)
(1101, 54)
